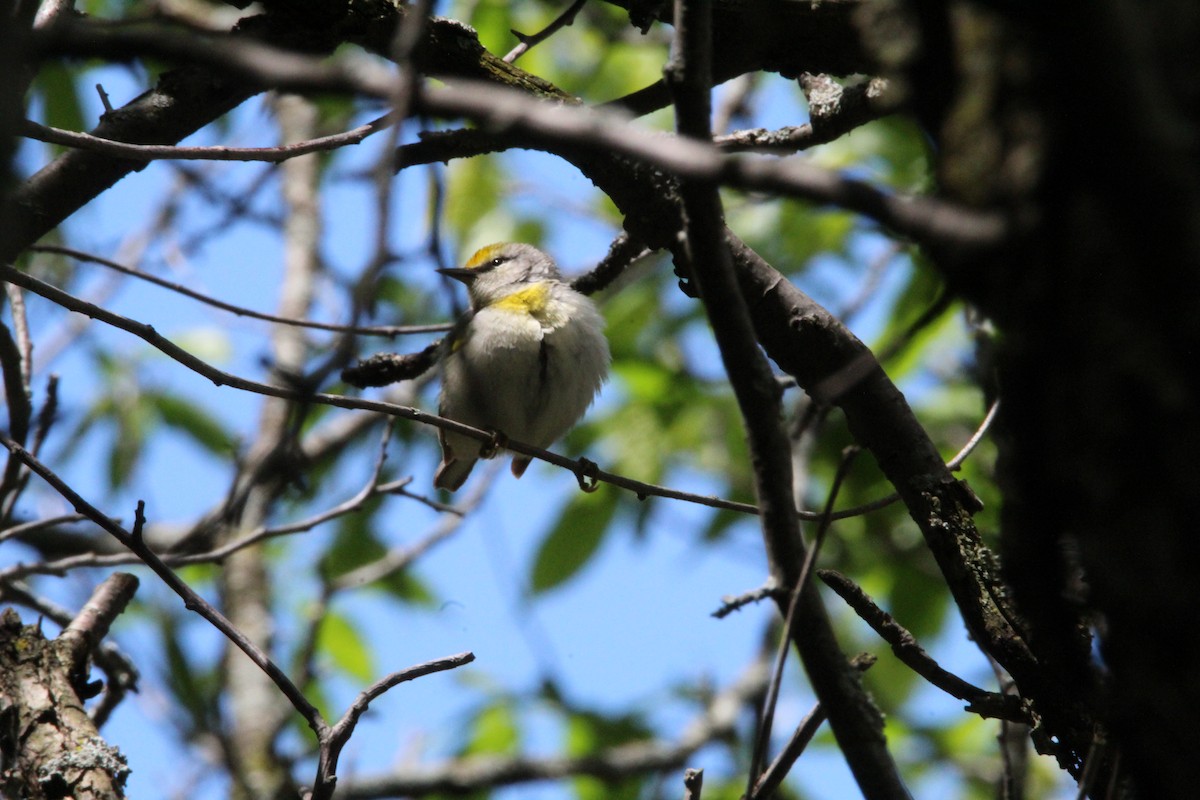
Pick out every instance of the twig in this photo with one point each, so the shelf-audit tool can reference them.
(734, 102)
(192, 600)
(977, 437)
(38, 524)
(623, 251)
(154, 152)
(729, 604)
(719, 719)
(15, 367)
(773, 776)
(763, 740)
(339, 734)
(364, 330)
(911, 654)
(21, 329)
(529, 41)
(47, 415)
(399, 558)
(148, 334)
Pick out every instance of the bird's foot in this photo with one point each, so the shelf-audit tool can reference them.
(587, 473)
(494, 445)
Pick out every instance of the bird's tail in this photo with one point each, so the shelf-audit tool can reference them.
(452, 473)
(519, 465)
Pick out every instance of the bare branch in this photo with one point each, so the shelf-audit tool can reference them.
(533, 40)
(361, 330)
(339, 734)
(906, 648)
(91, 624)
(504, 110)
(154, 152)
(718, 721)
(192, 600)
(856, 722)
(767, 718)
(838, 112)
(773, 776)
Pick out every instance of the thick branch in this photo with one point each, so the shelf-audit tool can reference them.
(856, 723)
(51, 746)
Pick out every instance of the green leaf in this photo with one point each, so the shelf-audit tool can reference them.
(194, 687)
(189, 418)
(60, 96)
(588, 732)
(573, 540)
(342, 642)
(495, 731)
(132, 422)
(472, 187)
(356, 544)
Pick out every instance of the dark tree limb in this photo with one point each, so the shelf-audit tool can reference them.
(906, 648)
(855, 720)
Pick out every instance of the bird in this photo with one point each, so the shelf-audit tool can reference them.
(524, 362)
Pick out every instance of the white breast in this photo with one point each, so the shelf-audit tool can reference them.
(528, 377)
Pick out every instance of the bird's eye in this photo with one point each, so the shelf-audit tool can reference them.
(497, 262)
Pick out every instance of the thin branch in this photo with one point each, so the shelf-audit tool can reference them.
(38, 524)
(556, 128)
(977, 437)
(836, 113)
(763, 739)
(529, 41)
(718, 721)
(623, 251)
(148, 334)
(731, 603)
(364, 330)
(911, 654)
(192, 600)
(340, 732)
(372, 489)
(772, 777)
(16, 365)
(21, 330)
(154, 152)
(399, 558)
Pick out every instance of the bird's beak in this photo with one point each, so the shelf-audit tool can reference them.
(463, 274)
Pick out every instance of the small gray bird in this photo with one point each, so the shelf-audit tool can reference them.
(526, 361)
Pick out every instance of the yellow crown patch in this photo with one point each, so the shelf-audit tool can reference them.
(484, 254)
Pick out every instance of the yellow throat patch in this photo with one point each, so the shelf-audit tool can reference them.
(532, 300)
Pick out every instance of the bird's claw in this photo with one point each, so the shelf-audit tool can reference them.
(494, 445)
(586, 472)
